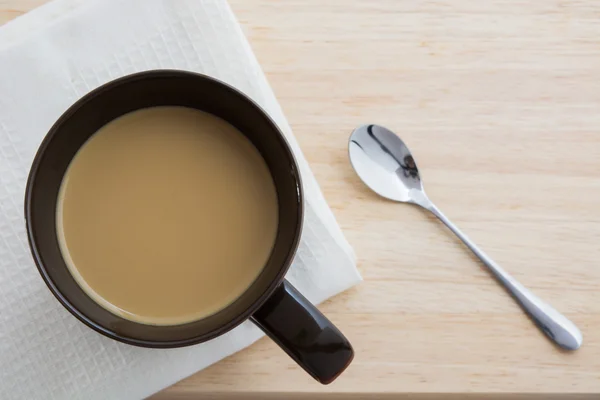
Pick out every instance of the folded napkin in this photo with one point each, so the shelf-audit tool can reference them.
(48, 59)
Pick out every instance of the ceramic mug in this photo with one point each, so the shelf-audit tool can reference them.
(270, 302)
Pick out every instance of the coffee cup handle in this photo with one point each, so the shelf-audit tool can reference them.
(304, 333)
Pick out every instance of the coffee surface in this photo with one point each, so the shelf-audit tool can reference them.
(167, 215)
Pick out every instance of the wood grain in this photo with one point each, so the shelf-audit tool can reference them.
(500, 103)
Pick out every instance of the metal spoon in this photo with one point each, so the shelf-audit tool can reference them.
(385, 164)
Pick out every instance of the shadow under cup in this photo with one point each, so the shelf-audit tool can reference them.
(271, 302)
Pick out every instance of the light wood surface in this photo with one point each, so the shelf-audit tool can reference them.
(500, 103)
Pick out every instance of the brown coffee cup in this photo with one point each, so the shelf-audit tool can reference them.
(270, 302)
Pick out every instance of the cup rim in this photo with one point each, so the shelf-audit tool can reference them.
(72, 308)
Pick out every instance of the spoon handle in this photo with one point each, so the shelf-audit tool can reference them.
(556, 326)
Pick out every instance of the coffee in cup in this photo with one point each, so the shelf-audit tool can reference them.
(166, 215)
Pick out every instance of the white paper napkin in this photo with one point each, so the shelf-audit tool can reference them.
(48, 59)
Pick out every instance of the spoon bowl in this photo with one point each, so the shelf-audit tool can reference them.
(384, 163)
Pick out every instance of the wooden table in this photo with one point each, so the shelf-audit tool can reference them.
(500, 102)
